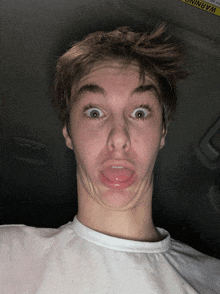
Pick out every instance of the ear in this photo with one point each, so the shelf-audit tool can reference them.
(164, 133)
(67, 138)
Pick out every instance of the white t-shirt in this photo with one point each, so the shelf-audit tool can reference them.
(76, 259)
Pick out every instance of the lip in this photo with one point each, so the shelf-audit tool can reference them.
(120, 185)
(120, 162)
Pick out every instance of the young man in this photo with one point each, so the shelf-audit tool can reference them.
(116, 94)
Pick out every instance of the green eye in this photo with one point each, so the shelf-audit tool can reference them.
(140, 113)
(94, 113)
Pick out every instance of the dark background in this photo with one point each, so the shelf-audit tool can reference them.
(38, 184)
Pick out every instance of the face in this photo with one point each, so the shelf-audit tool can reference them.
(116, 131)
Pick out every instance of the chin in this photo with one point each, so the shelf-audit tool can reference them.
(118, 199)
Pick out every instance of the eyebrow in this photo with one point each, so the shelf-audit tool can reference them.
(93, 88)
(145, 88)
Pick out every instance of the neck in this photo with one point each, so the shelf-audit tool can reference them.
(123, 226)
(133, 224)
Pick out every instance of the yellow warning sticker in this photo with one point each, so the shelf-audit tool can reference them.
(204, 6)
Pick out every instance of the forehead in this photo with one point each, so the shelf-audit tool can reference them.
(116, 74)
(117, 67)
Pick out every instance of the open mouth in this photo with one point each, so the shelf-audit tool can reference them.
(117, 177)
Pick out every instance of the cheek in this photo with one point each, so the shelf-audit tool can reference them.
(87, 143)
(147, 143)
(91, 133)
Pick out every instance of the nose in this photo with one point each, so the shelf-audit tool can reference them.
(119, 139)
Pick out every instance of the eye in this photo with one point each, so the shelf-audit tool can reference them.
(140, 113)
(94, 113)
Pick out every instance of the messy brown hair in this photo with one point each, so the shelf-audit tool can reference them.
(156, 53)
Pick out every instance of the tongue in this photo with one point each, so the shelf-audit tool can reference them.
(117, 174)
